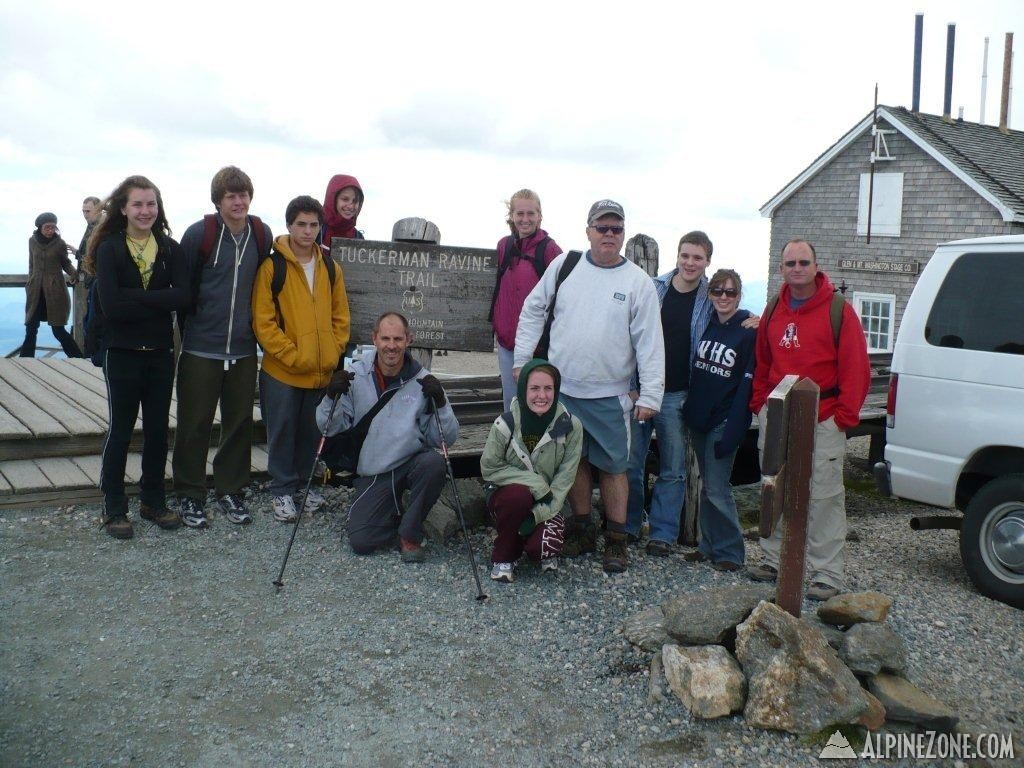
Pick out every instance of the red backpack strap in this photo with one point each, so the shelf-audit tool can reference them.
(210, 228)
(260, 231)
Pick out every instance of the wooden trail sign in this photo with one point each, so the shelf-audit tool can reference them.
(444, 291)
(788, 462)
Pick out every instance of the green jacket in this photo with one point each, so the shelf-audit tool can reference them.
(551, 468)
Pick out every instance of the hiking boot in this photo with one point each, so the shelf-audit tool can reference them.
(284, 509)
(234, 509)
(191, 513)
(820, 591)
(161, 516)
(695, 557)
(314, 501)
(765, 573)
(547, 564)
(503, 572)
(580, 536)
(658, 548)
(411, 552)
(615, 556)
(118, 526)
(726, 566)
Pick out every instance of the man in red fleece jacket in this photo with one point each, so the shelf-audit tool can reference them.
(798, 339)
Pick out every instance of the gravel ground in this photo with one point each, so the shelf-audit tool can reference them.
(173, 649)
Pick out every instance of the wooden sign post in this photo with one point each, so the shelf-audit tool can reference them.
(787, 464)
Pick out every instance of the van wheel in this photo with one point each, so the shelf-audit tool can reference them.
(992, 539)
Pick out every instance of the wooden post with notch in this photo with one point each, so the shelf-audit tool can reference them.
(417, 230)
(788, 462)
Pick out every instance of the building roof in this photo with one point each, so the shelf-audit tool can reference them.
(989, 161)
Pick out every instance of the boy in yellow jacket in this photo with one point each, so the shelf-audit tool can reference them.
(303, 334)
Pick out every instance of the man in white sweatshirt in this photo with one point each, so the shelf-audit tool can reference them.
(606, 324)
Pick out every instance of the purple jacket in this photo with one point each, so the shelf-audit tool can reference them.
(516, 284)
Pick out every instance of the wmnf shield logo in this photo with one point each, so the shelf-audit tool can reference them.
(837, 747)
(412, 300)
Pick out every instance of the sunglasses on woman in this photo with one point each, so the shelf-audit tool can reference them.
(718, 292)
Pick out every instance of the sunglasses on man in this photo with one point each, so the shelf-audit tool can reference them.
(793, 262)
(604, 229)
(718, 292)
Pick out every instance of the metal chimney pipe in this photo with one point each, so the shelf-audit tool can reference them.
(984, 82)
(1004, 102)
(947, 101)
(918, 33)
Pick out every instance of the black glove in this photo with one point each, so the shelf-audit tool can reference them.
(433, 390)
(340, 383)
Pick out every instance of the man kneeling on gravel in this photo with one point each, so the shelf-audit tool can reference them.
(398, 452)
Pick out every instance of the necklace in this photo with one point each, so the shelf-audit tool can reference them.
(140, 248)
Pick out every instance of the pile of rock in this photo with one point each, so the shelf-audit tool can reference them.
(730, 649)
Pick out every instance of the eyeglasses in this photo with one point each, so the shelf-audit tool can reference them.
(717, 292)
(794, 262)
(604, 229)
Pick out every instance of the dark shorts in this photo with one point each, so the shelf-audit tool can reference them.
(605, 429)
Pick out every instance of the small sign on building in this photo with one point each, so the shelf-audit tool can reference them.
(444, 291)
(890, 267)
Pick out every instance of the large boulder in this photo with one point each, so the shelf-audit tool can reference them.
(709, 617)
(907, 703)
(442, 522)
(855, 608)
(647, 629)
(795, 681)
(868, 649)
(706, 679)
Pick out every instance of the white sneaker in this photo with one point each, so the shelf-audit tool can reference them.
(502, 572)
(549, 564)
(315, 501)
(284, 509)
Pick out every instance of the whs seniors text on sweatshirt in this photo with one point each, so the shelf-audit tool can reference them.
(607, 324)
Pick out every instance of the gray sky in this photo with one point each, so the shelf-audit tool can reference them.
(690, 116)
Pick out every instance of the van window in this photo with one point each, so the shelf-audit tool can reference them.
(980, 305)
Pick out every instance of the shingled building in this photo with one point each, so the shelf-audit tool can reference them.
(935, 180)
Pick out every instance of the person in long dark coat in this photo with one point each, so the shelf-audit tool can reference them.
(46, 292)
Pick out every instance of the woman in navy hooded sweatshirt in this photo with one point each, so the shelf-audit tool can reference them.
(718, 417)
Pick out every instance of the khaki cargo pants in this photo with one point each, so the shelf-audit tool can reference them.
(826, 514)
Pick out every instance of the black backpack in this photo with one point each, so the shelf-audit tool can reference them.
(281, 272)
(512, 252)
(571, 260)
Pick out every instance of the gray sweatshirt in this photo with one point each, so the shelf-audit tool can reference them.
(607, 325)
(221, 324)
(402, 428)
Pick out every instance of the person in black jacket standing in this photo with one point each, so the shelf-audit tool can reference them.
(142, 281)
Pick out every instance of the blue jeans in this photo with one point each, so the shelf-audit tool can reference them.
(720, 534)
(670, 487)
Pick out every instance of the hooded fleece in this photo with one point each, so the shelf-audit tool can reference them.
(336, 225)
(516, 283)
(799, 341)
(306, 351)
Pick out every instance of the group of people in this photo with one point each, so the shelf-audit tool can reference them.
(595, 358)
(600, 357)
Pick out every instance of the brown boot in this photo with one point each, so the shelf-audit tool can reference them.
(580, 536)
(616, 559)
(118, 526)
(160, 516)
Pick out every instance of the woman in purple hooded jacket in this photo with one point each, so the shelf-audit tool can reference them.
(522, 258)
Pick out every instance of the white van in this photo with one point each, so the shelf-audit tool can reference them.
(955, 426)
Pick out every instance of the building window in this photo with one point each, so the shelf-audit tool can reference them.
(876, 312)
(886, 204)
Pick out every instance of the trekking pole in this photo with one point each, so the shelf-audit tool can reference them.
(278, 583)
(480, 596)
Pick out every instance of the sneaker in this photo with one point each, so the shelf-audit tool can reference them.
(726, 566)
(547, 564)
(411, 552)
(234, 509)
(118, 526)
(503, 572)
(765, 573)
(695, 557)
(616, 559)
(659, 548)
(191, 513)
(161, 516)
(314, 501)
(284, 509)
(580, 536)
(820, 591)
